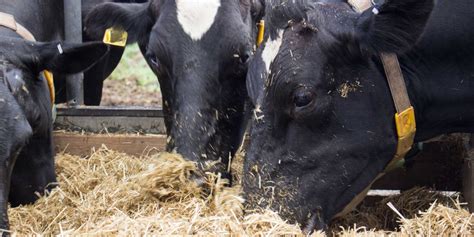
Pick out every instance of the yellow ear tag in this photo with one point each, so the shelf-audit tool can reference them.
(261, 32)
(406, 128)
(50, 80)
(115, 37)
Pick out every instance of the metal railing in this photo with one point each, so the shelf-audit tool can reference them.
(73, 34)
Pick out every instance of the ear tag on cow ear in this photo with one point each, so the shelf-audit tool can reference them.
(50, 82)
(261, 32)
(115, 37)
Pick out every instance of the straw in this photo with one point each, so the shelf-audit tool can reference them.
(114, 194)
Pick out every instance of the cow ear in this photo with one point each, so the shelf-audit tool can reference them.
(395, 26)
(136, 19)
(68, 58)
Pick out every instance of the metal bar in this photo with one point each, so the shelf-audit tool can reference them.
(102, 111)
(73, 34)
(388, 192)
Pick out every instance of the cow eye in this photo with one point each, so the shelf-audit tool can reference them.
(155, 62)
(153, 59)
(303, 97)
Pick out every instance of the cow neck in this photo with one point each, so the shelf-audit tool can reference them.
(443, 104)
(404, 117)
(8, 21)
(404, 121)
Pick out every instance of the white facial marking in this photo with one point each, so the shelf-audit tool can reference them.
(271, 50)
(197, 16)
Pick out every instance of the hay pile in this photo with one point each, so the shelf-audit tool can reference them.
(111, 193)
(444, 215)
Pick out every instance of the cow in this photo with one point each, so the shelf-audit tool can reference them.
(26, 148)
(199, 51)
(31, 15)
(324, 126)
(95, 76)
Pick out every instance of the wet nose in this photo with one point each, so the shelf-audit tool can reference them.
(315, 222)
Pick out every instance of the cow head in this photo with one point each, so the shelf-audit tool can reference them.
(324, 120)
(199, 51)
(27, 154)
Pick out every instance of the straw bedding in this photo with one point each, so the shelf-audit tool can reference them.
(114, 194)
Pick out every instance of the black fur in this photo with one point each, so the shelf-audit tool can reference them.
(202, 81)
(26, 147)
(278, 15)
(136, 19)
(309, 160)
(396, 28)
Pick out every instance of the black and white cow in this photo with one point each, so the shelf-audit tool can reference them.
(325, 127)
(95, 76)
(26, 149)
(199, 50)
(45, 20)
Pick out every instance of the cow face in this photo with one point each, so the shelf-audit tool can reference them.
(199, 51)
(26, 131)
(324, 127)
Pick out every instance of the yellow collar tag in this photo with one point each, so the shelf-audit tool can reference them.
(50, 81)
(261, 32)
(405, 124)
(115, 37)
(406, 129)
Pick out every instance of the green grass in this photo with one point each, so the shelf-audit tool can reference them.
(134, 66)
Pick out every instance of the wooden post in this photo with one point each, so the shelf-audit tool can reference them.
(468, 175)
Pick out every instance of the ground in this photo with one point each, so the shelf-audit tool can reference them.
(113, 194)
(132, 82)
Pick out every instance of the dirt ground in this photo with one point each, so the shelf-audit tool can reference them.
(129, 93)
(132, 83)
